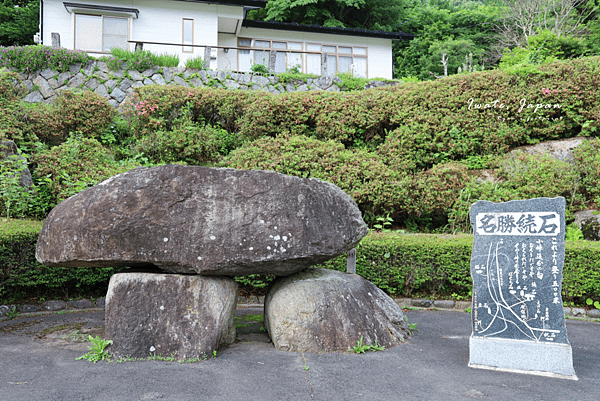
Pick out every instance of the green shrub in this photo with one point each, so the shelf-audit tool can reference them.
(38, 57)
(356, 119)
(21, 275)
(350, 82)
(474, 191)
(141, 60)
(114, 63)
(121, 59)
(158, 107)
(117, 132)
(14, 198)
(360, 173)
(433, 193)
(11, 91)
(290, 113)
(84, 112)
(544, 48)
(573, 233)
(196, 63)
(254, 283)
(587, 161)
(259, 68)
(520, 176)
(581, 274)
(167, 60)
(75, 165)
(535, 176)
(190, 143)
(378, 189)
(413, 265)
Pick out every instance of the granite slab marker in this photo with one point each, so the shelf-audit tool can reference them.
(517, 264)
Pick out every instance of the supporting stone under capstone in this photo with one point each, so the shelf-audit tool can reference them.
(169, 315)
(321, 310)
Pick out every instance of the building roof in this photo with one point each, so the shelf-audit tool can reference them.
(286, 26)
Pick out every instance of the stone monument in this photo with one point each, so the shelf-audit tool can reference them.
(516, 265)
(207, 224)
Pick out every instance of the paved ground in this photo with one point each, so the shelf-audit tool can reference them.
(432, 365)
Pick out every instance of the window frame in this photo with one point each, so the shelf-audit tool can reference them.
(286, 51)
(337, 54)
(101, 16)
(184, 45)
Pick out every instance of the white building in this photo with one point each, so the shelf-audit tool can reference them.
(187, 28)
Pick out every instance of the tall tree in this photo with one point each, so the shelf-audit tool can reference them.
(19, 21)
(525, 18)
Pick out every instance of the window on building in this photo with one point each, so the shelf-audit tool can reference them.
(244, 56)
(100, 33)
(339, 59)
(188, 35)
(285, 57)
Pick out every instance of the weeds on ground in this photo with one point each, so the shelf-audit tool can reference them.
(13, 313)
(361, 348)
(411, 326)
(97, 350)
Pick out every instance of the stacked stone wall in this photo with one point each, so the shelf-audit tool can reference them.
(118, 85)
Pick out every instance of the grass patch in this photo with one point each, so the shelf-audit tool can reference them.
(253, 318)
(196, 63)
(141, 60)
(286, 77)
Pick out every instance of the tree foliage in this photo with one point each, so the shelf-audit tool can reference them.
(545, 48)
(20, 21)
(445, 28)
(367, 14)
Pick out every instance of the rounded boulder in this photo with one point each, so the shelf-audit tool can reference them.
(321, 310)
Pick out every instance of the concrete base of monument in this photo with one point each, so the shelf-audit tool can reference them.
(519, 356)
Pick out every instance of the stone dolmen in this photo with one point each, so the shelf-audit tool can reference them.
(207, 225)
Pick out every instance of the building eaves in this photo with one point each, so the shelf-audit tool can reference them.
(244, 3)
(286, 26)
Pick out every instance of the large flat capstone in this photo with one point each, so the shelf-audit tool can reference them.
(210, 221)
(321, 310)
(169, 315)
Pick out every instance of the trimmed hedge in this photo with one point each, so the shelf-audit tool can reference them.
(413, 264)
(21, 275)
(427, 265)
(401, 152)
(426, 123)
(400, 264)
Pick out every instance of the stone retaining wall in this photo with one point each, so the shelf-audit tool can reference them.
(116, 86)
